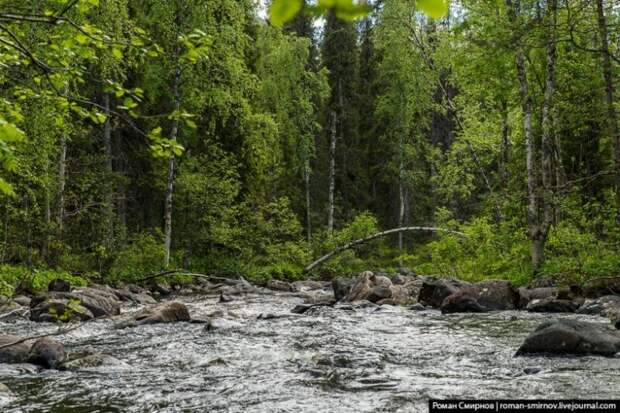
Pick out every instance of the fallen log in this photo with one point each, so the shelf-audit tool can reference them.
(352, 244)
(224, 280)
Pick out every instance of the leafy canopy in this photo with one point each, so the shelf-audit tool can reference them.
(282, 11)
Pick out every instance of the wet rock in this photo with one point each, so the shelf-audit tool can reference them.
(416, 307)
(278, 285)
(532, 370)
(224, 299)
(53, 310)
(59, 285)
(63, 306)
(552, 305)
(480, 297)
(528, 294)
(342, 287)
(379, 289)
(318, 297)
(379, 293)
(160, 288)
(8, 308)
(462, 302)
(22, 300)
(301, 308)
(362, 287)
(304, 308)
(605, 306)
(138, 298)
(434, 290)
(166, 312)
(571, 337)
(307, 285)
(272, 316)
(497, 295)
(92, 359)
(47, 353)
(6, 396)
(407, 293)
(101, 303)
(17, 353)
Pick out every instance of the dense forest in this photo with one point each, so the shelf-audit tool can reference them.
(142, 135)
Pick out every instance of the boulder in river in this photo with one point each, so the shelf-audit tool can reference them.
(571, 337)
(462, 302)
(307, 285)
(529, 294)
(552, 305)
(342, 287)
(82, 303)
(52, 310)
(434, 290)
(601, 306)
(166, 312)
(17, 353)
(6, 396)
(379, 289)
(22, 300)
(479, 297)
(47, 353)
(89, 359)
(279, 285)
(497, 295)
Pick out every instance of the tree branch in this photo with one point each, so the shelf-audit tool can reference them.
(352, 244)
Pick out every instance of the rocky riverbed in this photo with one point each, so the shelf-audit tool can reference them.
(246, 351)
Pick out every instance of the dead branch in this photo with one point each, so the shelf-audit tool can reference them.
(351, 244)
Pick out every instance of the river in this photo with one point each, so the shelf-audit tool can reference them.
(328, 360)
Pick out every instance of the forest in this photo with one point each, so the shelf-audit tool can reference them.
(339, 206)
(138, 136)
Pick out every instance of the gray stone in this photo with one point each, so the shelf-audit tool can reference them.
(571, 337)
(166, 312)
(552, 305)
(47, 353)
(17, 353)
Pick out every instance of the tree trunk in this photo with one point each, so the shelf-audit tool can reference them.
(503, 170)
(533, 220)
(62, 171)
(308, 200)
(109, 199)
(170, 177)
(609, 95)
(547, 127)
(332, 174)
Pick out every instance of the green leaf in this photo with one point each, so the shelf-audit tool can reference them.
(436, 9)
(10, 133)
(116, 52)
(190, 124)
(6, 188)
(282, 11)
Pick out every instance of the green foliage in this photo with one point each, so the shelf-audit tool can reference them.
(12, 277)
(143, 255)
(282, 11)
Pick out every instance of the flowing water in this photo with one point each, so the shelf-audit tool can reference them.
(327, 360)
